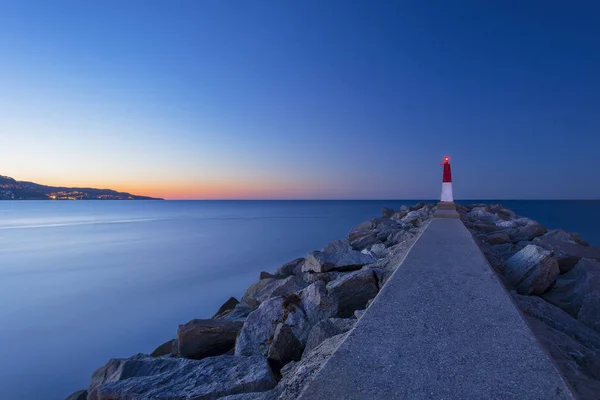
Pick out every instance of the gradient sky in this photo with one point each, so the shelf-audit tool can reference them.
(303, 99)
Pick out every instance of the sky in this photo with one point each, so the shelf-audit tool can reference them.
(303, 99)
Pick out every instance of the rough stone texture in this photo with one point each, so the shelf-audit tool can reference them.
(364, 226)
(142, 377)
(364, 241)
(202, 338)
(413, 217)
(589, 313)
(532, 270)
(359, 313)
(442, 327)
(266, 275)
(353, 290)
(573, 347)
(322, 276)
(239, 313)
(78, 395)
(315, 305)
(379, 250)
(297, 375)
(168, 348)
(293, 267)
(498, 238)
(337, 246)
(267, 288)
(268, 395)
(571, 288)
(325, 329)
(229, 305)
(568, 249)
(285, 346)
(387, 212)
(527, 232)
(482, 214)
(318, 261)
(259, 328)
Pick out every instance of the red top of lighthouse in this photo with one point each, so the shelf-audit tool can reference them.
(447, 173)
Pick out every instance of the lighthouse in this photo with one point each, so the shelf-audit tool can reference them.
(447, 182)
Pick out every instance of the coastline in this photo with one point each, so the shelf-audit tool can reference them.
(317, 299)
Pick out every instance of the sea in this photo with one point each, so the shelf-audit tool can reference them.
(85, 281)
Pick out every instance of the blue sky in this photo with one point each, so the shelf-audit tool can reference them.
(303, 99)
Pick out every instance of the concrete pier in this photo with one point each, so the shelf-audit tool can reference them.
(443, 327)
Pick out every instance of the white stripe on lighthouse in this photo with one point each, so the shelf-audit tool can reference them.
(447, 192)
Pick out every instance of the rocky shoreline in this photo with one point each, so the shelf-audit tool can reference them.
(270, 343)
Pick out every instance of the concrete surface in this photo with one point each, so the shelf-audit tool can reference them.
(443, 327)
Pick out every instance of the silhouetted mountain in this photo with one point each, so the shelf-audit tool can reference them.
(11, 189)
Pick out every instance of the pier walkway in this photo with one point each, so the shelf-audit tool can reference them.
(443, 327)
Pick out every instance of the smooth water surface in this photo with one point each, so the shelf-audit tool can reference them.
(81, 282)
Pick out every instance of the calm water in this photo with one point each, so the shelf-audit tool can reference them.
(81, 282)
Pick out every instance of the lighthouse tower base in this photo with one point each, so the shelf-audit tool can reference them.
(447, 192)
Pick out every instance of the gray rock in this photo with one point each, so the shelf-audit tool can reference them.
(387, 212)
(168, 348)
(354, 290)
(532, 270)
(78, 395)
(413, 217)
(337, 246)
(568, 249)
(265, 275)
(485, 227)
(239, 313)
(364, 242)
(202, 338)
(323, 276)
(268, 395)
(325, 329)
(143, 377)
(527, 232)
(398, 215)
(359, 313)
(285, 346)
(314, 305)
(267, 288)
(572, 346)
(259, 328)
(293, 267)
(228, 306)
(589, 313)
(379, 250)
(399, 237)
(417, 206)
(364, 226)
(572, 288)
(498, 238)
(298, 374)
(318, 261)
(482, 214)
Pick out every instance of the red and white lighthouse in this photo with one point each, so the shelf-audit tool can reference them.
(447, 182)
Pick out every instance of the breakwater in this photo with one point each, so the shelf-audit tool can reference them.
(276, 339)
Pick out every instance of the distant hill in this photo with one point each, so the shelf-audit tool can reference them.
(11, 189)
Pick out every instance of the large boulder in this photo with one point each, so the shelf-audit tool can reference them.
(239, 313)
(387, 212)
(142, 377)
(293, 267)
(354, 290)
(325, 329)
(364, 241)
(78, 395)
(267, 288)
(200, 338)
(226, 307)
(319, 261)
(589, 313)
(568, 248)
(285, 346)
(573, 287)
(532, 270)
(573, 347)
(337, 246)
(169, 348)
(497, 238)
(259, 328)
(379, 250)
(311, 306)
(482, 214)
(527, 231)
(415, 217)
